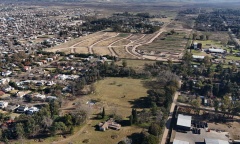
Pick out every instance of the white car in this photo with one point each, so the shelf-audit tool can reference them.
(22, 109)
(32, 110)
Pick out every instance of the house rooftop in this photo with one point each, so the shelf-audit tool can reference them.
(184, 120)
(175, 141)
(215, 141)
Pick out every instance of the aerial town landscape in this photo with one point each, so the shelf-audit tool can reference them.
(119, 72)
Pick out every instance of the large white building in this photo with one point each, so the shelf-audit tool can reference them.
(184, 122)
(215, 141)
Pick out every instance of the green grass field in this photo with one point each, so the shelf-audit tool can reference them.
(136, 64)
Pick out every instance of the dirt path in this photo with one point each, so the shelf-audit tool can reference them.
(110, 47)
(165, 133)
(90, 48)
(74, 45)
(163, 29)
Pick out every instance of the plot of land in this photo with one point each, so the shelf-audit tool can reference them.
(122, 42)
(101, 51)
(110, 41)
(121, 52)
(166, 43)
(118, 93)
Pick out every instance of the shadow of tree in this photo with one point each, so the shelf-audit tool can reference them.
(142, 102)
(136, 138)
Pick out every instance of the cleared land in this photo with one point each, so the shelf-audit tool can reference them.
(122, 42)
(101, 51)
(121, 52)
(174, 43)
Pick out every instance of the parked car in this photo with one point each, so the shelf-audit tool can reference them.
(22, 109)
(3, 104)
(32, 110)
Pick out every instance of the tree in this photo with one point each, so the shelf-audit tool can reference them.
(135, 117)
(103, 113)
(20, 131)
(207, 61)
(196, 103)
(226, 104)
(131, 120)
(58, 126)
(154, 129)
(124, 63)
(54, 106)
(150, 139)
(216, 105)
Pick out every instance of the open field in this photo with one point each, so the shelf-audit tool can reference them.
(211, 43)
(118, 93)
(80, 50)
(101, 51)
(108, 42)
(122, 42)
(121, 52)
(77, 40)
(166, 43)
(90, 41)
(136, 64)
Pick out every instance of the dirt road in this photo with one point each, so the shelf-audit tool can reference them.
(165, 133)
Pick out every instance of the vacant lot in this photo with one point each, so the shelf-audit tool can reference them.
(174, 43)
(118, 93)
(101, 51)
(121, 52)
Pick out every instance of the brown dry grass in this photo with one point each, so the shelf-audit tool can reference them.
(81, 50)
(108, 41)
(77, 40)
(101, 51)
(121, 52)
(122, 42)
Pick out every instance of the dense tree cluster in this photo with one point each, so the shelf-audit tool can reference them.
(45, 122)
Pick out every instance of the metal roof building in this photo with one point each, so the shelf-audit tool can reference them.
(215, 141)
(216, 50)
(179, 142)
(184, 120)
(197, 57)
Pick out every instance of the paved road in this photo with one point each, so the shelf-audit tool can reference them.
(165, 133)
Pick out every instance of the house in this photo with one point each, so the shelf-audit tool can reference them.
(27, 68)
(4, 81)
(196, 57)
(21, 94)
(7, 73)
(215, 141)
(8, 89)
(212, 50)
(109, 124)
(184, 122)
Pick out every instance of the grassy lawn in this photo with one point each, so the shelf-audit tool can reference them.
(136, 64)
(235, 58)
(110, 93)
(211, 43)
(118, 93)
